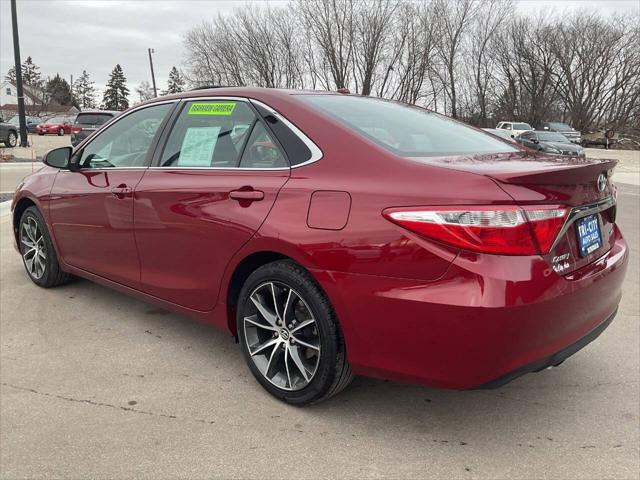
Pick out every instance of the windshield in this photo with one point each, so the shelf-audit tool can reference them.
(522, 126)
(405, 130)
(55, 120)
(561, 127)
(93, 118)
(552, 137)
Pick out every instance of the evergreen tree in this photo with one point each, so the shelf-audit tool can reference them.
(85, 93)
(176, 82)
(31, 73)
(11, 75)
(58, 90)
(116, 93)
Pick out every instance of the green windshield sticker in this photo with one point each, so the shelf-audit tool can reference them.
(212, 108)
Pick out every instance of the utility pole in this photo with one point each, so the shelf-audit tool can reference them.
(16, 55)
(153, 77)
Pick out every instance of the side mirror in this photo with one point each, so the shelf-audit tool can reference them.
(58, 157)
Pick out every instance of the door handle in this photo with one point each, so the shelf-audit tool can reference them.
(121, 191)
(246, 195)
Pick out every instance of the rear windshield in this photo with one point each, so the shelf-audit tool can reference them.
(405, 130)
(93, 118)
(522, 126)
(552, 137)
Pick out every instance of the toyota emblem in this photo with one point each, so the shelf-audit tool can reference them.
(602, 182)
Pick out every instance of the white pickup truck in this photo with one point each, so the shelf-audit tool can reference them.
(514, 128)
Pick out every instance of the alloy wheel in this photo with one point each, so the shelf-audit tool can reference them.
(12, 139)
(33, 248)
(281, 335)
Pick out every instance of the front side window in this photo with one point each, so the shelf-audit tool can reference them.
(405, 130)
(126, 142)
(209, 134)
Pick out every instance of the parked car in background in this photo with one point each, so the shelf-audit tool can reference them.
(514, 128)
(54, 126)
(605, 137)
(504, 134)
(571, 133)
(335, 235)
(32, 122)
(88, 121)
(550, 142)
(8, 134)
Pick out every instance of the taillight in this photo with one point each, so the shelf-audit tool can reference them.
(76, 129)
(504, 230)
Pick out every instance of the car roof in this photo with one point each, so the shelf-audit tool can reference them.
(248, 92)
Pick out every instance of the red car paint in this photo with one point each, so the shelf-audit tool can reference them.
(54, 126)
(410, 308)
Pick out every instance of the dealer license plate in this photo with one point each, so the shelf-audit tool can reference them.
(589, 238)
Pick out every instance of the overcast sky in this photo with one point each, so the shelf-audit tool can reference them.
(68, 36)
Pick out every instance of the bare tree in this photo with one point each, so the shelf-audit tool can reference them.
(372, 26)
(454, 20)
(473, 59)
(528, 66)
(331, 25)
(595, 65)
(485, 25)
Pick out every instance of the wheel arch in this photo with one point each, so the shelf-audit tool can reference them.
(21, 206)
(241, 272)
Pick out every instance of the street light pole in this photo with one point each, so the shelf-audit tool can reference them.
(16, 55)
(153, 77)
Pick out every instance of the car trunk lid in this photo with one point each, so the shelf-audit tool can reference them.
(582, 185)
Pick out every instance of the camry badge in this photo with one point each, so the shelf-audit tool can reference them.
(602, 182)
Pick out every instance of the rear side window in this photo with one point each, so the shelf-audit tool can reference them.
(209, 134)
(261, 151)
(93, 118)
(405, 130)
(296, 150)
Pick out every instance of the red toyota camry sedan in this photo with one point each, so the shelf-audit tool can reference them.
(335, 235)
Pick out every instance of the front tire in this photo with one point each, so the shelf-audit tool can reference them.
(290, 336)
(38, 255)
(61, 132)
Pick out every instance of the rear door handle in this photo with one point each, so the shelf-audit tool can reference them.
(122, 191)
(246, 195)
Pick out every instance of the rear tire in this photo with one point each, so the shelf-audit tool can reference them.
(61, 132)
(290, 336)
(38, 255)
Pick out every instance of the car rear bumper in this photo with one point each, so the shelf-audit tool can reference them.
(486, 320)
(552, 360)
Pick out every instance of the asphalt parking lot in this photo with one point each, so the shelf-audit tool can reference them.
(94, 384)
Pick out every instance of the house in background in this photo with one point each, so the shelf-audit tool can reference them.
(34, 102)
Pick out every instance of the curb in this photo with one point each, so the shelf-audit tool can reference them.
(5, 208)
